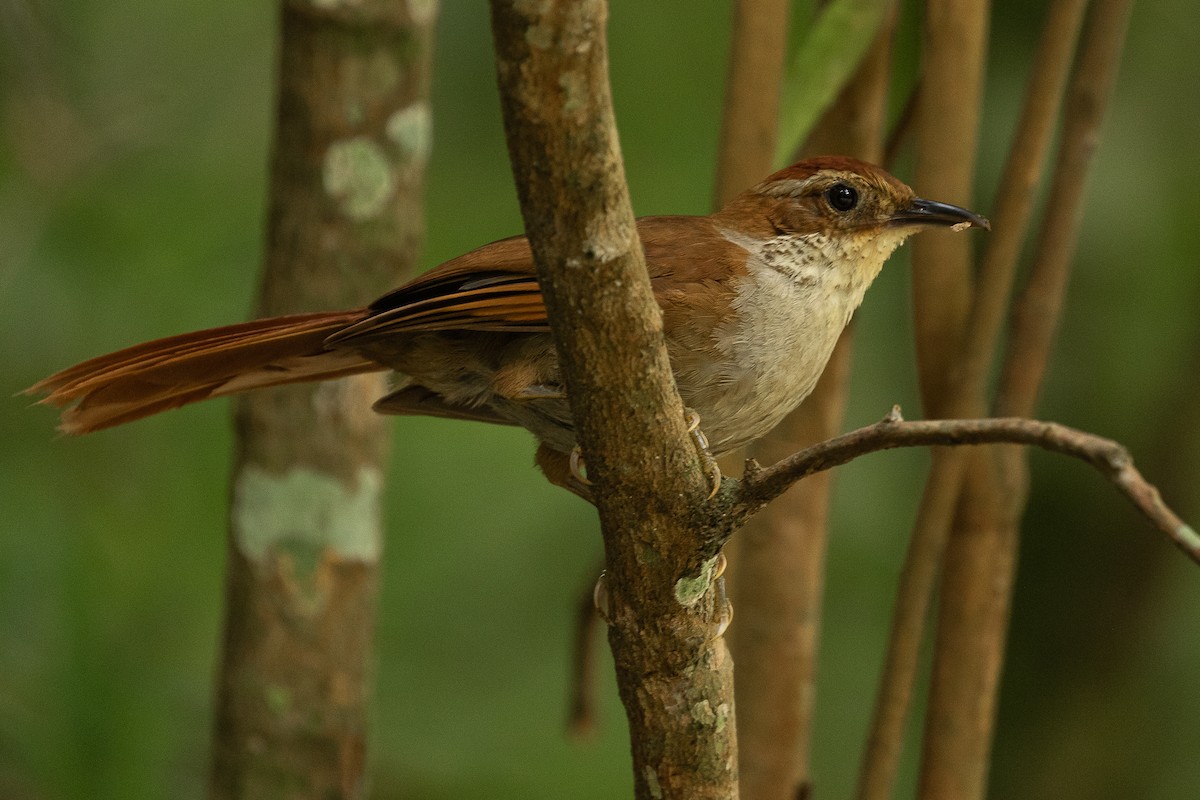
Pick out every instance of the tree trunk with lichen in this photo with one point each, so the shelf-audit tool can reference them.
(673, 669)
(345, 223)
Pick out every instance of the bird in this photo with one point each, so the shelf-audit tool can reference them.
(753, 299)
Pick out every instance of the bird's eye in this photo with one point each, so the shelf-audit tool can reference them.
(841, 197)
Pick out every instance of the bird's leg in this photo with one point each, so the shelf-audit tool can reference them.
(539, 391)
(560, 470)
(711, 468)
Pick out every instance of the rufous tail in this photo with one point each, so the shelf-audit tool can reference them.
(167, 373)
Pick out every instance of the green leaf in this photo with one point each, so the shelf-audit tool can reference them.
(822, 62)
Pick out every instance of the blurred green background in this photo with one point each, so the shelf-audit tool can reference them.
(132, 167)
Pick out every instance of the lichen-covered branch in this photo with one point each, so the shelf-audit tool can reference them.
(344, 223)
(673, 670)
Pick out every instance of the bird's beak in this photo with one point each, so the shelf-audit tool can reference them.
(930, 212)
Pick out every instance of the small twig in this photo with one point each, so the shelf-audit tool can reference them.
(1109, 457)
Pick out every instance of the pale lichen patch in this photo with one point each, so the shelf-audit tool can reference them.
(305, 510)
(574, 90)
(358, 176)
(652, 784)
(689, 590)
(703, 713)
(411, 129)
(722, 717)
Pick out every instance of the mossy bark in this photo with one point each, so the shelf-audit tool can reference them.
(344, 224)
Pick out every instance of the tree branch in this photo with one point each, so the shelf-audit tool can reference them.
(673, 670)
(1038, 309)
(750, 121)
(345, 221)
(760, 486)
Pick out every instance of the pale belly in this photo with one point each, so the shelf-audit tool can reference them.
(741, 386)
(758, 380)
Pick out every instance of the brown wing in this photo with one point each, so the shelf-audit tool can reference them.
(494, 288)
(489, 289)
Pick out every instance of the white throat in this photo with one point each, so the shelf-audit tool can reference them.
(798, 296)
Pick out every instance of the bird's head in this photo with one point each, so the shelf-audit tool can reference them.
(852, 212)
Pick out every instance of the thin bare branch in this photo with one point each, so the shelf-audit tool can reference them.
(1014, 203)
(1039, 306)
(902, 129)
(750, 121)
(1111, 459)
(953, 55)
(582, 717)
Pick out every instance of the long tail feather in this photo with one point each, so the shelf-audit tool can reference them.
(167, 373)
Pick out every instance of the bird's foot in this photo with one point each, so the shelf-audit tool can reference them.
(539, 391)
(711, 468)
(579, 466)
(600, 598)
(723, 606)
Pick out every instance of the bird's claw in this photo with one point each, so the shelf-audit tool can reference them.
(724, 607)
(711, 468)
(600, 598)
(579, 466)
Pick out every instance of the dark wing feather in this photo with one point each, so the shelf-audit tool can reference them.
(494, 288)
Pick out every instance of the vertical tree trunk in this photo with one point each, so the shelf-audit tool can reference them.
(344, 223)
(952, 58)
(980, 559)
(982, 553)
(778, 559)
(673, 668)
